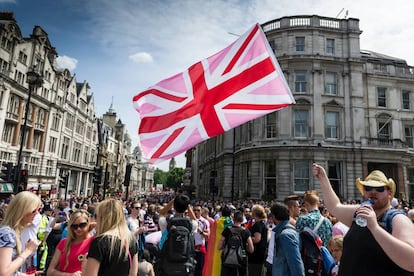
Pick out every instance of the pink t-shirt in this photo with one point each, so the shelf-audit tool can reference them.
(77, 254)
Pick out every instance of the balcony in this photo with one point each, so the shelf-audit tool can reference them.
(384, 143)
(12, 117)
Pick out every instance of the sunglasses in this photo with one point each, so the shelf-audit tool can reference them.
(378, 189)
(80, 225)
(197, 210)
(137, 207)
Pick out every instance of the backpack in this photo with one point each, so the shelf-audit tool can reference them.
(234, 251)
(386, 221)
(178, 251)
(311, 251)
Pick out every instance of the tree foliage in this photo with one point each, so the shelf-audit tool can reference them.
(160, 177)
(175, 178)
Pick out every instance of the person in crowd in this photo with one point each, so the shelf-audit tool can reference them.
(145, 267)
(271, 244)
(287, 259)
(335, 246)
(184, 216)
(42, 234)
(72, 250)
(20, 213)
(114, 249)
(200, 237)
(205, 213)
(247, 242)
(371, 250)
(54, 231)
(338, 228)
(311, 220)
(292, 202)
(149, 222)
(30, 233)
(136, 226)
(258, 233)
(247, 218)
(217, 212)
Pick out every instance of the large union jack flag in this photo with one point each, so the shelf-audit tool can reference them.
(238, 84)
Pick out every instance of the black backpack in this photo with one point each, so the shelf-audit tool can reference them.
(177, 257)
(311, 251)
(234, 251)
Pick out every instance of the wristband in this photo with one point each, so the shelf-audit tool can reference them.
(20, 256)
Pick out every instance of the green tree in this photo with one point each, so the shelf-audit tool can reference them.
(175, 178)
(160, 177)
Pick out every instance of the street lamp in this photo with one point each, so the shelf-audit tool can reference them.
(34, 79)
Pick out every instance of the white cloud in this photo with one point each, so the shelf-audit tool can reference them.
(65, 62)
(141, 57)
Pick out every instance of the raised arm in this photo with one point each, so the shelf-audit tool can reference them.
(343, 213)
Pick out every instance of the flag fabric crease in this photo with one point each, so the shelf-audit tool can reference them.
(238, 84)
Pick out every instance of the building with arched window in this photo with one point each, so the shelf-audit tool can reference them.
(353, 114)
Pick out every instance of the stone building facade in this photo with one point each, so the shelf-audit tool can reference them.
(353, 114)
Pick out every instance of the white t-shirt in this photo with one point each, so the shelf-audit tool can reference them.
(30, 232)
(162, 222)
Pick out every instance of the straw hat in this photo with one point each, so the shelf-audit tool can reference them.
(376, 179)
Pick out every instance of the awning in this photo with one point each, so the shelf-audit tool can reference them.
(33, 186)
(45, 187)
(6, 188)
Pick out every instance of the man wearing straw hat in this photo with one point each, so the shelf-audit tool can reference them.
(375, 249)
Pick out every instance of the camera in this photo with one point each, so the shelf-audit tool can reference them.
(61, 214)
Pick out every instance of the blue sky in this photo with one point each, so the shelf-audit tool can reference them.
(122, 47)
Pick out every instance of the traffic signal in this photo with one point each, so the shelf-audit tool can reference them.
(24, 176)
(7, 174)
(63, 180)
(97, 175)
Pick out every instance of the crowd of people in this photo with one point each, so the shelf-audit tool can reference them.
(88, 236)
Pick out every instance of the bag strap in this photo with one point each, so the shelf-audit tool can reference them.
(319, 224)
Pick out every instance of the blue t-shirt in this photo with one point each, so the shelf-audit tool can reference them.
(8, 239)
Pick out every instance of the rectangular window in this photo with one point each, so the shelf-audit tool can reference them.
(55, 121)
(330, 83)
(8, 131)
(330, 46)
(270, 177)
(49, 168)
(332, 124)
(409, 135)
(70, 121)
(65, 148)
(52, 144)
(300, 81)
(335, 176)
(301, 175)
(406, 100)
(76, 152)
(300, 44)
(301, 123)
(381, 96)
(271, 130)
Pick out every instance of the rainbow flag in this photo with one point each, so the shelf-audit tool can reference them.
(212, 262)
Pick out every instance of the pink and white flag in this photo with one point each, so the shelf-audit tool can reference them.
(240, 83)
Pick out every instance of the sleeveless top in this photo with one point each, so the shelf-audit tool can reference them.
(362, 255)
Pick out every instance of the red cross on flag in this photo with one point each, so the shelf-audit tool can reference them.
(240, 83)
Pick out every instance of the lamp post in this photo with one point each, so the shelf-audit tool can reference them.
(34, 79)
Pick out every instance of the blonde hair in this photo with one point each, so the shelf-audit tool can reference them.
(111, 222)
(337, 241)
(259, 212)
(20, 206)
(71, 237)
